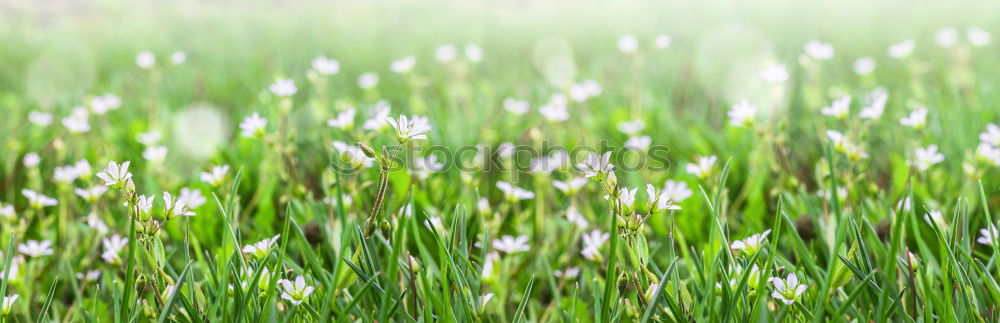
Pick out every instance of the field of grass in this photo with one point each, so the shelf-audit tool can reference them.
(547, 161)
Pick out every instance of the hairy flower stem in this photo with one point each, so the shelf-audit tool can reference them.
(383, 183)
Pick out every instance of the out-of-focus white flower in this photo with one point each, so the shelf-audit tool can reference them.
(752, 244)
(676, 191)
(112, 247)
(946, 37)
(178, 57)
(628, 44)
(89, 275)
(414, 128)
(473, 52)
(596, 165)
(40, 118)
(988, 153)
(843, 145)
(483, 205)
(191, 197)
(104, 103)
(380, 119)
(902, 49)
(575, 217)
(819, 50)
(175, 207)
(344, 120)
(513, 193)
(592, 243)
(8, 303)
(515, 106)
(325, 66)
(145, 59)
(638, 142)
(35, 249)
(368, 80)
(742, 114)
(260, 249)
(917, 119)
(828, 194)
(569, 273)
(149, 138)
(253, 126)
(864, 65)
(91, 194)
(659, 201)
(145, 204)
(7, 212)
(216, 176)
(555, 109)
(14, 274)
(403, 65)
(991, 136)
(65, 174)
(924, 158)
(703, 167)
(774, 73)
(283, 87)
(31, 160)
(662, 41)
(839, 109)
(295, 292)
(990, 236)
(77, 121)
(631, 127)
(935, 218)
(353, 155)
(787, 290)
(445, 53)
(427, 165)
(584, 90)
(95, 222)
(509, 244)
(627, 197)
(489, 268)
(978, 37)
(875, 104)
(905, 204)
(155, 154)
(38, 200)
(570, 186)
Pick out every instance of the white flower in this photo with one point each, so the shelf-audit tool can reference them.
(934, 217)
(149, 138)
(596, 165)
(513, 193)
(410, 129)
(175, 207)
(216, 175)
(488, 265)
(924, 158)
(819, 50)
(828, 194)
(344, 120)
(296, 292)
(427, 165)
(582, 91)
(839, 108)
(77, 122)
(40, 118)
(15, 269)
(575, 217)
(632, 126)
(145, 59)
(353, 155)
(31, 160)
(946, 37)
(473, 52)
(325, 66)
(8, 303)
(628, 44)
(554, 110)
(253, 126)
(917, 119)
(445, 53)
(570, 186)
(283, 87)
(662, 41)
(774, 73)
(403, 65)
(905, 204)
(191, 197)
(38, 200)
(105, 102)
(89, 275)
(569, 273)
(91, 194)
(843, 145)
(34, 248)
(988, 153)
(483, 205)
(989, 236)
(145, 204)
(751, 244)
(178, 57)
(155, 154)
(978, 37)
(991, 136)
(112, 247)
(787, 290)
(65, 174)
(509, 244)
(640, 142)
(380, 119)
(368, 80)
(627, 197)
(902, 49)
(7, 211)
(659, 200)
(94, 222)
(260, 249)
(676, 191)
(168, 291)
(434, 223)
(515, 106)
(742, 114)
(703, 167)
(876, 104)
(864, 66)
(592, 243)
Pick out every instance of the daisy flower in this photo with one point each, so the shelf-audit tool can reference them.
(295, 292)
(410, 129)
(596, 165)
(787, 290)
